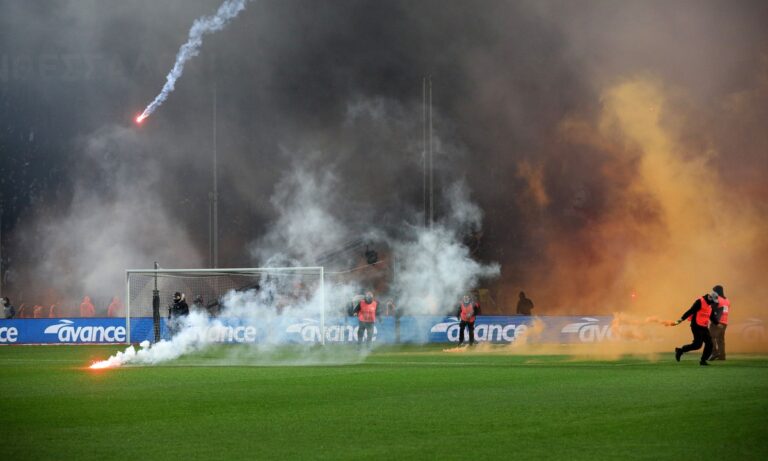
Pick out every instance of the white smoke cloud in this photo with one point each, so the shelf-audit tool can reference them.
(434, 267)
(314, 215)
(308, 220)
(113, 221)
(201, 27)
(255, 309)
(433, 270)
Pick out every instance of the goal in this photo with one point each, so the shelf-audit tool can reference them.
(149, 293)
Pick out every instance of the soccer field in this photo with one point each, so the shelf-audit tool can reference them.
(410, 402)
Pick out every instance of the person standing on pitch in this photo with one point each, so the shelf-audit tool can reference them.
(700, 314)
(717, 330)
(366, 311)
(467, 312)
(177, 312)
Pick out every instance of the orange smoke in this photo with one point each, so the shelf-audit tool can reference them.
(666, 323)
(534, 179)
(670, 227)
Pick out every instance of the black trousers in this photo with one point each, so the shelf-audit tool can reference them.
(174, 325)
(700, 336)
(361, 329)
(471, 327)
(718, 340)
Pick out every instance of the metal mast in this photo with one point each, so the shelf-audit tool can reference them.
(214, 221)
(431, 169)
(424, 147)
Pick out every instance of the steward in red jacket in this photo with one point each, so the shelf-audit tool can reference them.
(366, 311)
(700, 314)
(717, 330)
(467, 313)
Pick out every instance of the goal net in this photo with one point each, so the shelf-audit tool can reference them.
(276, 290)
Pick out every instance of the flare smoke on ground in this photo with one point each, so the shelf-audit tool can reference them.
(199, 331)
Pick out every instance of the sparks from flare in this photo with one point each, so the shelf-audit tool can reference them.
(100, 365)
(666, 323)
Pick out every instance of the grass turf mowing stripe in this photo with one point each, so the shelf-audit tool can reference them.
(407, 403)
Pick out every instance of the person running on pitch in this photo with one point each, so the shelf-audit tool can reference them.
(700, 314)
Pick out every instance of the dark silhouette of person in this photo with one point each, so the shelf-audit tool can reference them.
(524, 305)
(9, 311)
(177, 312)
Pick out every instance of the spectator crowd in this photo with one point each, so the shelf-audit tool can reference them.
(85, 308)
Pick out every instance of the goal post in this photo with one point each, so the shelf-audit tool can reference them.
(206, 289)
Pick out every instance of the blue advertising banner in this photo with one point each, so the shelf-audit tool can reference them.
(71, 331)
(284, 329)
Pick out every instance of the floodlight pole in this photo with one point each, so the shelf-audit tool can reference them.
(214, 223)
(431, 167)
(322, 305)
(156, 308)
(1, 247)
(428, 181)
(424, 147)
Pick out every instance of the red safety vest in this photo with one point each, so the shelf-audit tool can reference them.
(468, 312)
(367, 311)
(726, 305)
(702, 316)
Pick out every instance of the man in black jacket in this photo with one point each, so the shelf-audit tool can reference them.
(177, 312)
(700, 314)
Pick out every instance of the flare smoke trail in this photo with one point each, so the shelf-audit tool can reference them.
(202, 26)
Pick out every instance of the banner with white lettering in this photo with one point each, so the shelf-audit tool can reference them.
(286, 329)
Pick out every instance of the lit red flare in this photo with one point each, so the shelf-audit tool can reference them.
(140, 118)
(100, 365)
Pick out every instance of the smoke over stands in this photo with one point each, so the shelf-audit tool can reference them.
(610, 151)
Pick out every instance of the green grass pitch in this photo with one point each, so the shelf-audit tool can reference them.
(410, 402)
